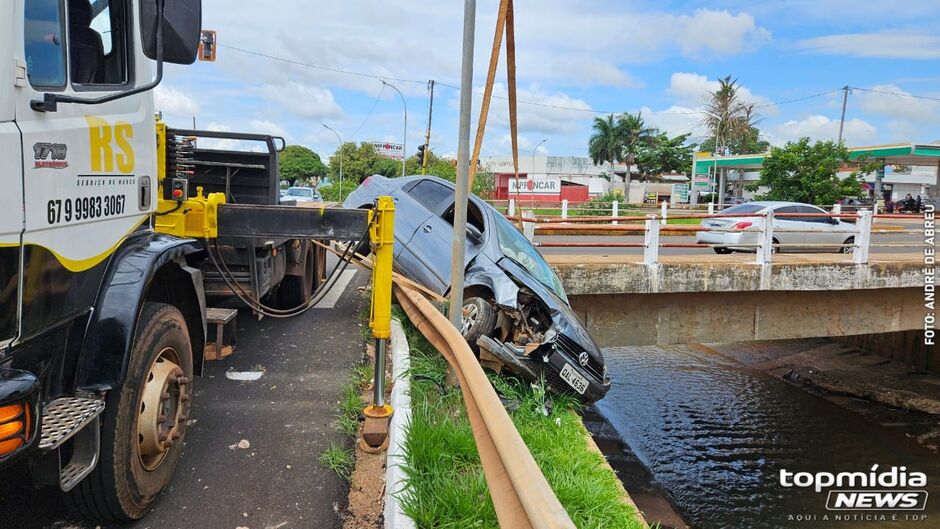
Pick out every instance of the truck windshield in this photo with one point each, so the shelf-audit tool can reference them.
(515, 246)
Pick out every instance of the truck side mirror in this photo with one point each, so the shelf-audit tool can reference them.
(182, 27)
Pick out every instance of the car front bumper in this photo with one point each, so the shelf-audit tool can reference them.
(596, 388)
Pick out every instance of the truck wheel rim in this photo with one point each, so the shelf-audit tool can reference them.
(159, 423)
(470, 315)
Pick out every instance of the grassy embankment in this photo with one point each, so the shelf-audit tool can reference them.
(445, 482)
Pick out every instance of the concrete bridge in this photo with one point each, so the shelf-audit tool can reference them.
(729, 298)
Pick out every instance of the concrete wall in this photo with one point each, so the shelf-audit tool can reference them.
(906, 347)
(695, 317)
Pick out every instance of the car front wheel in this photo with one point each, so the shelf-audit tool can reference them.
(478, 319)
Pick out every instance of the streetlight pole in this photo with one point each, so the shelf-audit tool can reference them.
(463, 166)
(338, 138)
(532, 174)
(404, 138)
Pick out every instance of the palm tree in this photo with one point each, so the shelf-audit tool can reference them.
(606, 143)
(729, 119)
(634, 134)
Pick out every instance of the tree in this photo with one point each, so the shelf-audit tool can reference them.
(665, 155)
(635, 135)
(804, 172)
(297, 162)
(606, 143)
(360, 162)
(731, 122)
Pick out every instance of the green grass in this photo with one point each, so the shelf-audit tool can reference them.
(445, 484)
(339, 460)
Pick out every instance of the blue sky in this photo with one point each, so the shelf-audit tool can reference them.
(589, 56)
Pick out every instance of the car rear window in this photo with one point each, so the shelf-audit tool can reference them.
(743, 209)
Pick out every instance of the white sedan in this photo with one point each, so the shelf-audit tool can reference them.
(793, 234)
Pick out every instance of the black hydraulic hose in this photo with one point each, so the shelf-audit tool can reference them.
(259, 307)
(167, 212)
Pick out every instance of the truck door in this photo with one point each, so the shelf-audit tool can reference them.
(88, 169)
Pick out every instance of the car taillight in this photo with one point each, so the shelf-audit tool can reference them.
(14, 427)
(742, 225)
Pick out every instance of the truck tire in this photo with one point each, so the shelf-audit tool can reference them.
(144, 422)
(479, 318)
(319, 267)
(294, 291)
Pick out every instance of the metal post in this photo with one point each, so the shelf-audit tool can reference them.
(427, 136)
(722, 185)
(766, 246)
(845, 101)
(651, 244)
(528, 228)
(616, 211)
(340, 157)
(512, 207)
(533, 155)
(863, 238)
(564, 208)
(404, 138)
(463, 164)
(711, 208)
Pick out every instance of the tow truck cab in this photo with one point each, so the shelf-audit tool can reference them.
(102, 296)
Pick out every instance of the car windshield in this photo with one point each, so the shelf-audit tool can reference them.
(743, 209)
(515, 246)
(300, 192)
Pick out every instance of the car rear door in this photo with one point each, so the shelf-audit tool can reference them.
(425, 246)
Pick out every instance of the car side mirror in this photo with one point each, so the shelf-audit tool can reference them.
(474, 234)
(182, 27)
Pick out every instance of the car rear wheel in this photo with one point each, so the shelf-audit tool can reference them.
(848, 249)
(478, 319)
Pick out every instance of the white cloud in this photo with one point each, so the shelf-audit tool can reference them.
(884, 45)
(883, 103)
(303, 100)
(694, 89)
(708, 33)
(676, 120)
(174, 102)
(817, 127)
(550, 115)
(264, 126)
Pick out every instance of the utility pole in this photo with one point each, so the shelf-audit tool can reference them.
(463, 166)
(404, 138)
(427, 137)
(845, 101)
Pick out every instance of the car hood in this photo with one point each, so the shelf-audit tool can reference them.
(563, 316)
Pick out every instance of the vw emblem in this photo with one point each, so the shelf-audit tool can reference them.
(583, 359)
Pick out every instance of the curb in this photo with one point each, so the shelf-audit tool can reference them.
(624, 495)
(395, 518)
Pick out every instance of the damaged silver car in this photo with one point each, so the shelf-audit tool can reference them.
(515, 309)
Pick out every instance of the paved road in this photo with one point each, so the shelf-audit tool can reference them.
(878, 238)
(285, 415)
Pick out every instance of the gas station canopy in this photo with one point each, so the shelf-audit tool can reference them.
(894, 154)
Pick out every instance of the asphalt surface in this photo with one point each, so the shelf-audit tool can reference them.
(285, 415)
(876, 239)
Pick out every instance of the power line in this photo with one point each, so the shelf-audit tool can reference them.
(382, 91)
(900, 94)
(319, 67)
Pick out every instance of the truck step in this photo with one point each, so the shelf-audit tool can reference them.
(224, 343)
(64, 417)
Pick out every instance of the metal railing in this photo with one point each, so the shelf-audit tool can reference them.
(860, 232)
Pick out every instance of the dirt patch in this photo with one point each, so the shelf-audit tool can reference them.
(367, 484)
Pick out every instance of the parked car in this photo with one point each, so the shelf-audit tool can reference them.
(789, 233)
(514, 306)
(302, 194)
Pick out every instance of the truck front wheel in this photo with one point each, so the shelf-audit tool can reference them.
(144, 422)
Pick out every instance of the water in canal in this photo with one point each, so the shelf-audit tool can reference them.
(716, 434)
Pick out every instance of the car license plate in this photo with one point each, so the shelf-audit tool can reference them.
(574, 379)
